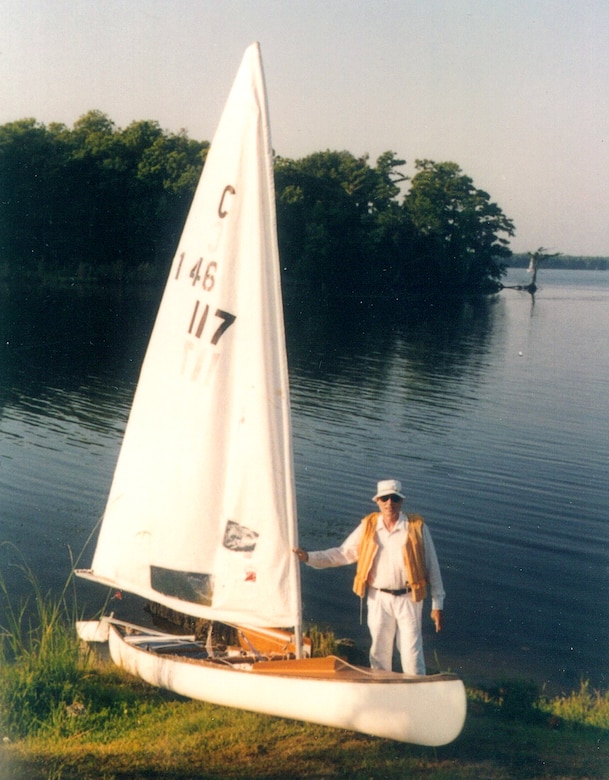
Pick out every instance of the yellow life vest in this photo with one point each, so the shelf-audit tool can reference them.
(414, 556)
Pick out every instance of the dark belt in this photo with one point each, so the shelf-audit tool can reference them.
(400, 592)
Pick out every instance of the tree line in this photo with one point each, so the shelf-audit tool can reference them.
(96, 201)
(567, 262)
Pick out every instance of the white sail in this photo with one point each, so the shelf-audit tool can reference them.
(201, 513)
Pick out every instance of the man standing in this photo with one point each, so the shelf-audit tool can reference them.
(396, 561)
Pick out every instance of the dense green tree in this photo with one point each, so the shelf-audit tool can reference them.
(96, 199)
(390, 228)
(93, 196)
(337, 216)
(32, 158)
(459, 230)
(319, 207)
(167, 174)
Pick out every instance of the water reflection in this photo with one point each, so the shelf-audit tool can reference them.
(330, 340)
(70, 350)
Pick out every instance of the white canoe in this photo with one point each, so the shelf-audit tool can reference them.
(426, 710)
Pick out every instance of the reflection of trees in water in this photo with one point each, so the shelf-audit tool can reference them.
(79, 350)
(72, 348)
(357, 343)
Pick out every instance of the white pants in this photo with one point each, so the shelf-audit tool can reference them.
(395, 619)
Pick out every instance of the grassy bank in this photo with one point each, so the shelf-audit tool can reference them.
(112, 726)
(66, 713)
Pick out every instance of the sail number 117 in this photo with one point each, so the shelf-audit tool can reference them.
(199, 320)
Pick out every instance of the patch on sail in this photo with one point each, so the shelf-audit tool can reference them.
(239, 538)
(185, 585)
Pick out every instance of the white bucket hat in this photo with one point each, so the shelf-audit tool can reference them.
(388, 487)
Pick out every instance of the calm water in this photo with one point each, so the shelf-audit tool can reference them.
(494, 416)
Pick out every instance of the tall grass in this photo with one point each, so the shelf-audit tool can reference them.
(586, 707)
(521, 700)
(42, 666)
(325, 642)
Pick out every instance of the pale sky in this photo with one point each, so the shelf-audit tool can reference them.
(514, 91)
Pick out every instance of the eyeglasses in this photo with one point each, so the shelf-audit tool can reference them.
(393, 498)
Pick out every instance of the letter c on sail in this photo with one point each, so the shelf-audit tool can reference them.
(230, 190)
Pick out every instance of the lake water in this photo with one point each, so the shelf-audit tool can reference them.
(494, 415)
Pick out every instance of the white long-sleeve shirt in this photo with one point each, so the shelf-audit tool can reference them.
(388, 569)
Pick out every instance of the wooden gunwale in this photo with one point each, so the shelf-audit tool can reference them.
(326, 668)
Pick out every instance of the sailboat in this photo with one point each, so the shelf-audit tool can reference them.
(201, 514)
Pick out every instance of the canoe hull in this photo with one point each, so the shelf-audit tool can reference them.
(420, 710)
